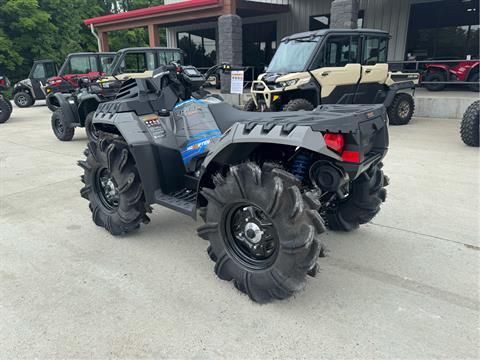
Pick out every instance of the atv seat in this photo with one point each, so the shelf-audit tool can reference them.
(226, 115)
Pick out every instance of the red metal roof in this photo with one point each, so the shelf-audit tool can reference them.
(150, 11)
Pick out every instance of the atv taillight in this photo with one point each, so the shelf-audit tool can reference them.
(335, 142)
(2, 81)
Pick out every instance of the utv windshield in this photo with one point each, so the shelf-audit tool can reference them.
(292, 56)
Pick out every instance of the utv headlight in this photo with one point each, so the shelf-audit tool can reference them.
(287, 83)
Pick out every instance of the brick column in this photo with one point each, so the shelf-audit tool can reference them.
(153, 36)
(344, 14)
(229, 45)
(103, 36)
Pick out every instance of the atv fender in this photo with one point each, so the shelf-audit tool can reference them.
(88, 103)
(226, 151)
(142, 149)
(68, 109)
(394, 89)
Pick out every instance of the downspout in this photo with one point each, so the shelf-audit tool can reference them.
(92, 30)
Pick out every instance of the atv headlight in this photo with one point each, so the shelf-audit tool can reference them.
(287, 83)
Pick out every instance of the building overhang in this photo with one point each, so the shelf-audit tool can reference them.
(183, 12)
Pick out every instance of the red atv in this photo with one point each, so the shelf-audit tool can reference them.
(42, 82)
(438, 74)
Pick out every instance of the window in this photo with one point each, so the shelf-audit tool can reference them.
(199, 47)
(39, 72)
(259, 43)
(138, 62)
(444, 29)
(319, 22)
(82, 65)
(106, 61)
(167, 57)
(337, 52)
(374, 50)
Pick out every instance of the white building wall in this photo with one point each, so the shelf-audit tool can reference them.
(389, 15)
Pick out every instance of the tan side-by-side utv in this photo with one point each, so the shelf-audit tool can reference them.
(333, 66)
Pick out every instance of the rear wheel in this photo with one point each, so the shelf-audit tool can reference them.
(474, 78)
(113, 187)
(10, 106)
(263, 232)
(298, 104)
(470, 126)
(401, 110)
(23, 99)
(250, 106)
(5, 110)
(92, 133)
(435, 77)
(362, 204)
(62, 128)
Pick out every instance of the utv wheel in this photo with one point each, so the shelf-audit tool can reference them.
(113, 187)
(470, 126)
(474, 78)
(435, 77)
(5, 110)
(298, 104)
(62, 128)
(23, 99)
(263, 232)
(92, 133)
(250, 106)
(401, 110)
(50, 106)
(362, 204)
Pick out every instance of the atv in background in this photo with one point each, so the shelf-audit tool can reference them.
(266, 184)
(77, 66)
(470, 125)
(464, 70)
(77, 108)
(333, 66)
(43, 80)
(140, 62)
(6, 107)
(27, 91)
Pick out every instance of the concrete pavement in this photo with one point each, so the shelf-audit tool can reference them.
(404, 286)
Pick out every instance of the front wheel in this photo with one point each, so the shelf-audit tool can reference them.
(263, 231)
(92, 133)
(62, 127)
(113, 187)
(250, 106)
(366, 195)
(298, 104)
(23, 99)
(435, 78)
(470, 126)
(401, 110)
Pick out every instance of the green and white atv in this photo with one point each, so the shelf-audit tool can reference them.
(333, 66)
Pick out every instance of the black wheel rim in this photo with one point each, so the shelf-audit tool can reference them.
(250, 236)
(22, 100)
(403, 109)
(107, 189)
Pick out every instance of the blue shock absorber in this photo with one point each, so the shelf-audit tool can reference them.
(300, 165)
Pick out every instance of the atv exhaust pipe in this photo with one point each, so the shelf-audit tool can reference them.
(329, 178)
